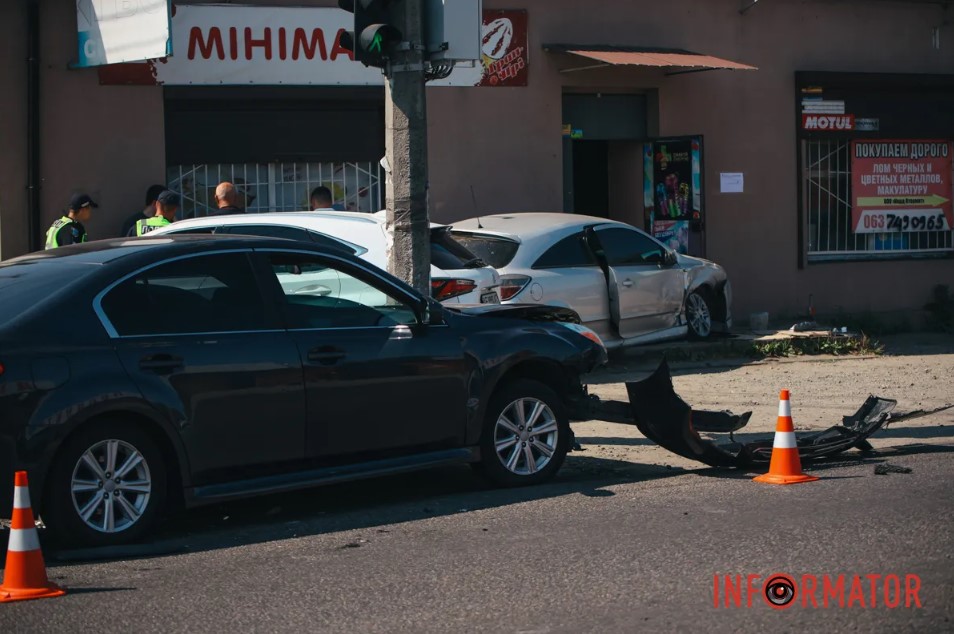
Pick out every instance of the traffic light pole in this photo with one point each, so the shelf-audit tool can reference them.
(406, 152)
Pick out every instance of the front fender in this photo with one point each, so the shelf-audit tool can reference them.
(528, 352)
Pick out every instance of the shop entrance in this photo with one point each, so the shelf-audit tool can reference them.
(602, 155)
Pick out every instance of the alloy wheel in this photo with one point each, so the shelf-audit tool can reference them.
(697, 311)
(110, 486)
(525, 436)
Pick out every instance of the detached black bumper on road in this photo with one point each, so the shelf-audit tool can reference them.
(663, 417)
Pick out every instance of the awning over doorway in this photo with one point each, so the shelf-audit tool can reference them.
(680, 61)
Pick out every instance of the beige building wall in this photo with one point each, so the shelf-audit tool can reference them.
(506, 143)
(13, 128)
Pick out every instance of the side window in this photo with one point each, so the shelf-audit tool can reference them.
(196, 231)
(204, 293)
(570, 251)
(628, 247)
(321, 295)
(329, 243)
(269, 231)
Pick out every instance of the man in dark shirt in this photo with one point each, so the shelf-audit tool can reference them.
(225, 198)
(69, 229)
(147, 212)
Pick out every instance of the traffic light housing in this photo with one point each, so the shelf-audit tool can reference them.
(375, 35)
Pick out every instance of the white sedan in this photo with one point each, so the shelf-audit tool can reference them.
(625, 285)
(457, 275)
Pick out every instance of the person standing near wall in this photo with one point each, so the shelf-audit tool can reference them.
(321, 199)
(225, 198)
(148, 211)
(164, 212)
(69, 229)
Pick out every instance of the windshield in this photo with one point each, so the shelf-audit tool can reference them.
(448, 253)
(494, 250)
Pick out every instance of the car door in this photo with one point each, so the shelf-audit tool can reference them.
(568, 274)
(376, 380)
(646, 290)
(210, 353)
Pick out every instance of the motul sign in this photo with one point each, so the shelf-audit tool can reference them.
(828, 122)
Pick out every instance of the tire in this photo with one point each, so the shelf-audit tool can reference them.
(145, 494)
(699, 314)
(551, 436)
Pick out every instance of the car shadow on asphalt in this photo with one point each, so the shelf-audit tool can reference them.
(378, 505)
(367, 505)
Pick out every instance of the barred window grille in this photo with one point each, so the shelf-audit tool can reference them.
(264, 187)
(826, 194)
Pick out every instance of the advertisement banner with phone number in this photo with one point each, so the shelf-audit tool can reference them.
(901, 185)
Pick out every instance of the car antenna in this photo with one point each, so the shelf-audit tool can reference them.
(474, 199)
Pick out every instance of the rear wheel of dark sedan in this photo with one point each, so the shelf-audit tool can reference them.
(699, 314)
(526, 434)
(107, 487)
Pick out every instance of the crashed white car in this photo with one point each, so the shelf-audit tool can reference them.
(625, 285)
(457, 275)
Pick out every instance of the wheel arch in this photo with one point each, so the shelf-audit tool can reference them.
(172, 452)
(550, 372)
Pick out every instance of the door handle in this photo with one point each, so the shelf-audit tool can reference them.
(326, 355)
(159, 362)
(627, 283)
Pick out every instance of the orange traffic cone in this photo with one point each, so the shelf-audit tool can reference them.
(786, 467)
(25, 573)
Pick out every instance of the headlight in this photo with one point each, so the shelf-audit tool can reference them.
(583, 330)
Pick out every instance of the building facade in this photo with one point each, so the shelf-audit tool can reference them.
(804, 145)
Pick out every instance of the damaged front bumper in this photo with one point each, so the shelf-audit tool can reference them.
(663, 417)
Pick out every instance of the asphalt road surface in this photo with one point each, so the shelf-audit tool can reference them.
(628, 538)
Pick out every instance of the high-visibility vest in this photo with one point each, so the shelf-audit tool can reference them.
(54, 229)
(146, 225)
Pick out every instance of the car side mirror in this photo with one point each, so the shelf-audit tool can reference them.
(670, 257)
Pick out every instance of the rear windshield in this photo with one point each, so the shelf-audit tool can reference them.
(24, 285)
(495, 251)
(448, 253)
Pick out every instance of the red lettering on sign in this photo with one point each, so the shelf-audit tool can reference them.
(205, 45)
(265, 43)
(337, 49)
(281, 43)
(301, 43)
(233, 42)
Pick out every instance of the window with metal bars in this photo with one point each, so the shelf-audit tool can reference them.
(267, 187)
(826, 200)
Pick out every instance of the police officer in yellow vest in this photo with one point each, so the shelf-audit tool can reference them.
(69, 229)
(167, 204)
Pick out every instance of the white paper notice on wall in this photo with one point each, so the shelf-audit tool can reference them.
(731, 182)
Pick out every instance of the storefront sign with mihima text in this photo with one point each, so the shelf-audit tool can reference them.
(301, 46)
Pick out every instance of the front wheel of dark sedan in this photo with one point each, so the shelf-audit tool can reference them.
(526, 435)
(107, 487)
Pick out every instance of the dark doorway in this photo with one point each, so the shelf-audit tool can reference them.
(590, 178)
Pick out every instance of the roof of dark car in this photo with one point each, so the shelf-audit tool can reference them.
(103, 251)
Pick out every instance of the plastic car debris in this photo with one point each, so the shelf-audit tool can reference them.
(663, 417)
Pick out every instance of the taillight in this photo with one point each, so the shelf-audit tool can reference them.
(1, 369)
(510, 285)
(442, 289)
